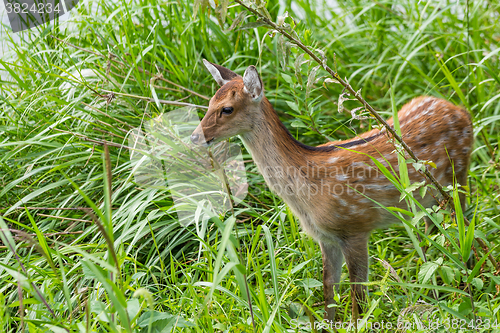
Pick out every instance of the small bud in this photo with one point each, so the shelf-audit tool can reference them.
(281, 20)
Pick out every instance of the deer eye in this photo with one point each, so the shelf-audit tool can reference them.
(227, 110)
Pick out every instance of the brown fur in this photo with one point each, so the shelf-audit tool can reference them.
(322, 184)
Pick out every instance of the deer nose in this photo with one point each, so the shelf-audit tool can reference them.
(194, 138)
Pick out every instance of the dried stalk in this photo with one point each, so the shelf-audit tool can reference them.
(161, 101)
(112, 57)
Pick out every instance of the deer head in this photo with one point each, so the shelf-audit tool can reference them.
(234, 109)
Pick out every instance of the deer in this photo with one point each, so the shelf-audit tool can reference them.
(333, 189)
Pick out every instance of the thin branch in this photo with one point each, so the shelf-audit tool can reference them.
(161, 101)
(86, 138)
(23, 234)
(107, 132)
(140, 69)
(63, 217)
(107, 115)
(55, 208)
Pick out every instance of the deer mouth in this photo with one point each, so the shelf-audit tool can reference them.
(206, 143)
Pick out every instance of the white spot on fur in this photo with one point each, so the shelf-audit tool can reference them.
(440, 164)
(461, 141)
(358, 165)
(377, 187)
(364, 200)
(341, 178)
(333, 159)
(417, 116)
(359, 211)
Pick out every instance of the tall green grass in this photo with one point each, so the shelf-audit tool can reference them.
(79, 255)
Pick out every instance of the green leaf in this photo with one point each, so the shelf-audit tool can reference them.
(284, 50)
(423, 191)
(13, 73)
(272, 260)
(465, 306)
(418, 216)
(293, 106)
(298, 267)
(237, 20)
(477, 267)
(310, 283)
(298, 62)
(426, 271)
(218, 261)
(478, 283)
(311, 79)
(447, 274)
(251, 25)
(288, 79)
(153, 317)
(56, 329)
(452, 81)
(89, 272)
(298, 123)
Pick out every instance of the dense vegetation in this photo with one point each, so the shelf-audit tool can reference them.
(79, 255)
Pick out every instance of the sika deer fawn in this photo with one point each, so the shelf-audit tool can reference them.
(327, 186)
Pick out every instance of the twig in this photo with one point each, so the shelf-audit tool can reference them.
(257, 199)
(48, 234)
(54, 208)
(86, 138)
(107, 115)
(107, 132)
(64, 218)
(162, 101)
(134, 80)
(113, 57)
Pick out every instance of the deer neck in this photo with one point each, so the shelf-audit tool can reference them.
(279, 157)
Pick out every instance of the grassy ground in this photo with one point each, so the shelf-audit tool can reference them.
(81, 254)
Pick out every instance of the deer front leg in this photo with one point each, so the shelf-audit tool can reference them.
(332, 267)
(355, 250)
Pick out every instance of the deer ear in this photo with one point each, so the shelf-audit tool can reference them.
(253, 83)
(222, 75)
